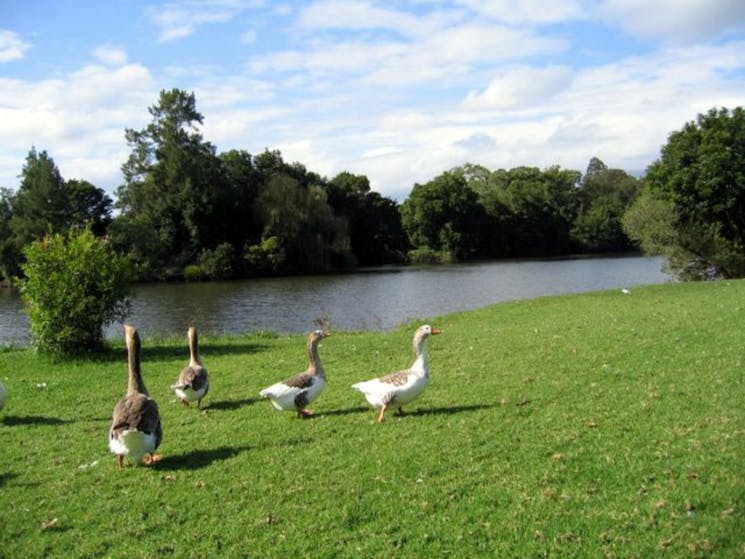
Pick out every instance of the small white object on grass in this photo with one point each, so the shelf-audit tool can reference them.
(626, 291)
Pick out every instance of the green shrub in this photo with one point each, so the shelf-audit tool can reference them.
(217, 263)
(74, 285)
(194, 272)
(267, 257)
(426, 255)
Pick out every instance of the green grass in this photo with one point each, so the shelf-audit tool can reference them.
(594, 425)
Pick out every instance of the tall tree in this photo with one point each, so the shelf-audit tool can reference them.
(41, 203)
(699, 182)
(173, 189)
(46, 203)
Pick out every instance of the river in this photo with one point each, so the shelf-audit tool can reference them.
(379, 299)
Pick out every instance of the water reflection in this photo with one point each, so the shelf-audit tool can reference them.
(371, 300)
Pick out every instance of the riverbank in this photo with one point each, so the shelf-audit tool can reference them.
(600, 424)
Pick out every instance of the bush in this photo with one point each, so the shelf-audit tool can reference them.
(74, 285)
(217, 263)
(266, 257)
(426, 255)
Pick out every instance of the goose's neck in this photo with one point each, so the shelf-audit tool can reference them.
(194, 348)
(315, 367)
(136, 384)
(421, 364)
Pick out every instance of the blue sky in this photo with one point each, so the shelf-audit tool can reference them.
(399, 91)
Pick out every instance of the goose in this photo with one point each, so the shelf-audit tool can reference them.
(193, 383)
(401, 387)
(136, 430)
(298, 391)
(3, 395)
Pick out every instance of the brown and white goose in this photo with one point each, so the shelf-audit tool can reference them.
(401, 387)
(136, 430)
(193, 383)
(298, 391)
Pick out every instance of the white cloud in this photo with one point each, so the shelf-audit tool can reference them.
(111, 55)
(360, 15)
(521, 86)
(12, 47)
(675, 21)
(249, 37)
(78, 119)
(531, 12)
(177, 20)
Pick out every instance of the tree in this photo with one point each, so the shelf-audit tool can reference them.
(603, 197)
(41, 203)
(444, 215)
(541, 208)
(307, 233)
(74, 285)
(88, 205)
(700, 183)
(174, 187)
(10, 257)
(376, 235)
(45, 203)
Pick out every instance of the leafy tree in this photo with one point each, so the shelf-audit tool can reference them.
(603, 197)
(243, 182)
(45, 203)
(41, 203)
(499, 220)
(174, 187)
(541, 205)
(307, 232)
(74, 285)
(88, 205)
(376, 235)
(444, 215)
(699, 183)
(10, 256)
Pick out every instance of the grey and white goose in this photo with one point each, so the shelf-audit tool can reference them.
(136, 430)
(193, 382)
(401, 387)
(300, 390)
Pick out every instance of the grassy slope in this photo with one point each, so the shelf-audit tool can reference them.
(580, 426)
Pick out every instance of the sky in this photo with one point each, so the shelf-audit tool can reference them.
(399, 91)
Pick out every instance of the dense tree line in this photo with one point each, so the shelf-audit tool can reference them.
(186, 211)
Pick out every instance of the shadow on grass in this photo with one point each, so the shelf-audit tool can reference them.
(197, 459)
(151, 351)
(345, 411)
(12, 420)
(230, 404)
(451, 409)
(6, 477)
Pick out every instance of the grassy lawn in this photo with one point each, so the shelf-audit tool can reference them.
(594, 425)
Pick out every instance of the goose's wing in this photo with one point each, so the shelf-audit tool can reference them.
(137, 412)
(291, 386)
(193, 376)
(399, 378)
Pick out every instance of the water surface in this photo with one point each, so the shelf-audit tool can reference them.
(370, 300)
